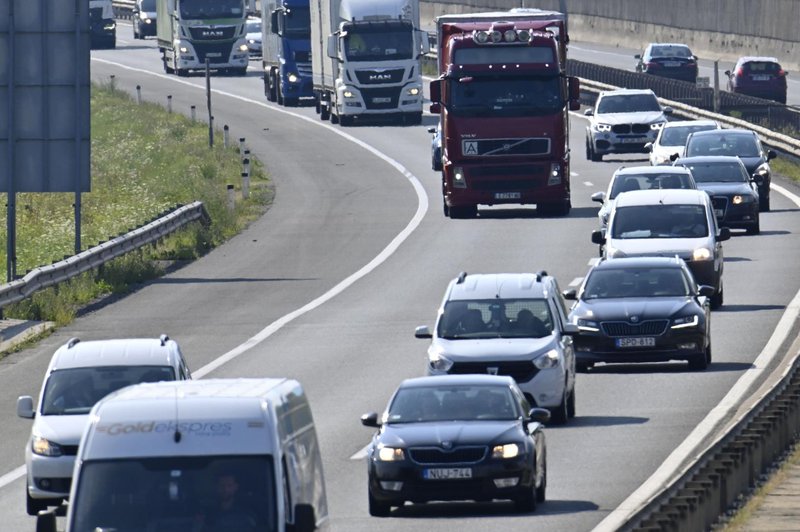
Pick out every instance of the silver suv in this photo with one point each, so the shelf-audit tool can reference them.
(623, 121)
(512, 324)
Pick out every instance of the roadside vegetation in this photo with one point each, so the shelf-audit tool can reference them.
(787, 168)
(144, 162)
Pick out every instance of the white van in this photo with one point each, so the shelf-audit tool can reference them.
(217, 454)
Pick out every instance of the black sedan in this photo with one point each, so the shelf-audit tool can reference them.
(642, 309)
(457, 437)
(734, 193)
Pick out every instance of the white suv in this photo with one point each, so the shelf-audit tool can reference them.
(79, 375)
(623, 121)
(512, 324)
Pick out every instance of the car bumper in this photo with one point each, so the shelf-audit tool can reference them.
(680, 74)
(669, 346)
(411, 485)
(611, 142)
(739, 216)
(49, 477)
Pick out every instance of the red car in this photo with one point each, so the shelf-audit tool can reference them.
(762, 77)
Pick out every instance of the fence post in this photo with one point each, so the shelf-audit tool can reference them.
(231, 199)
(225, 135)
(194, 115)
(245, 185)
(113, 82)
(169, 103)
(139, 94)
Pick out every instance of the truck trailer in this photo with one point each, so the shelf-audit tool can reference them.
(365, 59)
(286, 54)
(193, 31)
(503, 97)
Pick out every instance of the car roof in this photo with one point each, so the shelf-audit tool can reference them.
(677, 44)
(639, 262)
(689, 123)
(117, 352)
(673, 196)
(458, 380)
(500, 286)
(757, 58)
(625, 91)
(644, 170)
(723, 132)
(709, 159)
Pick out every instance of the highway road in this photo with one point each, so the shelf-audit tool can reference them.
(329, 284)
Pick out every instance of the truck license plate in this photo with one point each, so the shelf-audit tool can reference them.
(381, 100)
(507, 195)
(447, 473)
(213, 54)
(646, 341)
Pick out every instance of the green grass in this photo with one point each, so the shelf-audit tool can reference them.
(786, 168)
(144, 161)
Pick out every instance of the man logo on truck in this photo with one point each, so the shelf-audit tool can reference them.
(380, 77)
(212, 33)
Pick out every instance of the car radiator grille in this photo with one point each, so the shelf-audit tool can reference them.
(720, 203)
(646, 328)
(630, 128)
(69, 450)
(458, 455)
(522, 371)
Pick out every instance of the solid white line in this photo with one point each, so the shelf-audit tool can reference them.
(576, 281)
(573, 174)
(715, 418)
(269, 330)
(360, 455)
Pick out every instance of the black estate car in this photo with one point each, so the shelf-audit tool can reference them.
(734, 192)
(457, 437)
(641, 309)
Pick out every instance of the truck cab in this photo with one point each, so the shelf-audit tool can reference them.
(286, 59)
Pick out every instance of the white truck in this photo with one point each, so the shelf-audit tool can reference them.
(365, 59)
(191, 31)
(212, 454)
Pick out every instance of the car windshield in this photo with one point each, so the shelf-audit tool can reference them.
(374, 43)
(670, 51)
(722, 144)
(74, 391)
(628, 103)
(650, 181)
(416, 404)
(253, 27)
(635, 282)
(214, 493)
(495, 318)
(676, 136)
(718, 172)
(659, 221)
(204, 9)
(504, 96)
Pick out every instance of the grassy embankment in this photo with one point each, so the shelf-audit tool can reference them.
(144, 161)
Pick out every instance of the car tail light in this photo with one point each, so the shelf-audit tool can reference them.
(652, 65)
(740, 71)
(781, 72)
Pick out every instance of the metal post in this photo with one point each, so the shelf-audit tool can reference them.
(245, 185)
(11, 216)
(231, 199)
(193, 111)
(113, 83)
(716, 86)
(78, 137)
(139, 94)
(246, 165)
(169, 103)
(241, 144)
(225, 135)
(208, 99)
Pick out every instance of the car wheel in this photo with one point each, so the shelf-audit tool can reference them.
(540, 491)
(571, 403)
(526, 502)
(34, 506)
(763, 203)
(378, 508)
(559, 414)
(278, 90)
(346, 121)
(167, 69)
(755, 228)
(701, 362)
(464, 211)
(589, 154)
(324, 111)
(718, 298)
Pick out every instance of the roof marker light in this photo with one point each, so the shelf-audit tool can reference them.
(496, 36)
(524, 35)
(480, 37)
(510, 35)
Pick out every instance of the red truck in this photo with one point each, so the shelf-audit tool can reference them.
(504, 99)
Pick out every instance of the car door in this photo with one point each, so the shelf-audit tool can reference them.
(717, 243)
(558, 307)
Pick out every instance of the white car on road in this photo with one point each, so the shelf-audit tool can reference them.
(671, 139)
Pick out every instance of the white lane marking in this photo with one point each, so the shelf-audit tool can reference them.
(599, 52)
(576, 281)
(269, 330)
(792, 197)
(574, 174)
(360, 455)
(593, 261)
(588, 183)
(715, 418)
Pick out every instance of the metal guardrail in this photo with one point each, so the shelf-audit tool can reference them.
(123, 8)
(45, 276)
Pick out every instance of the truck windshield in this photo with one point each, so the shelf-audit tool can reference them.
(503, 96)
(377, 43)
(297, 23)
(203, 9)
(149, 5)
(217, 493)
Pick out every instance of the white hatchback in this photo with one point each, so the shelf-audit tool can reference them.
(79, 375)
(671, 140)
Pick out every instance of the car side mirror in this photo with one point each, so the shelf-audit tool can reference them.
(570, 329)
(599, 197)
(422, 332)
(705, 290)
(539, 415)
(637, 56)
(727, 73)
(724, 234)
(589, 112)
(648, 147)
(771, 154)
(598, 237)
(25, 407)
(370, 419)
(570, 294)
(757, 179)
(674, 157)
(668, 110)
(432, 129)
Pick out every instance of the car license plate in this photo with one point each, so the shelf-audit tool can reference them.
(507, 195)
(629, 140)
(450, 473)
(646, 341)
(672, 64)
(760, 78)
(719, 213)
(381, 100)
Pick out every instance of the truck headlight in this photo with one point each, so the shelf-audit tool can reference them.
(701, 254)
(547, 360)
(603, 128)
(183, 49)
(243, 48)
(44, 447)
(348, 93)
(413, 91)
(509, 450)
(391, 454)
(685, 322)
(440, 362)
(458, 178)
(292, 77)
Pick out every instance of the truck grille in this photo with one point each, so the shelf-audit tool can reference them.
(521, 371)
(381, 98)
(501, 147)
(212, 33)
(304, 70)
(630, 128)
(646, 328)
(216, 52)
(374, 77)
(459, 455)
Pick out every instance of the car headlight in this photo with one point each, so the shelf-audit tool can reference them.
(547, 360)
(685, 321)
(440, 362)
(292, 77)
(603, 128)
(110, 26)
(348, 93)
(763, 170)
(251, 41)
(391, 454)
(243, 48)
(657, 125)
(739, 199)
(413, 91)
(701, 254)
(44, 447)
(509, 450)
(588, 325)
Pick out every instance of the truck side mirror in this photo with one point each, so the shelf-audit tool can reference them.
(435, 108)
(425, 44)
(273, 22)
(574, 85)
(333, 46)
(436, 90)
(304, 517)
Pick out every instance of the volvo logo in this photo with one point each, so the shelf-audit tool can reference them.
(380, 77)
(447, 445)
(492, 370)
